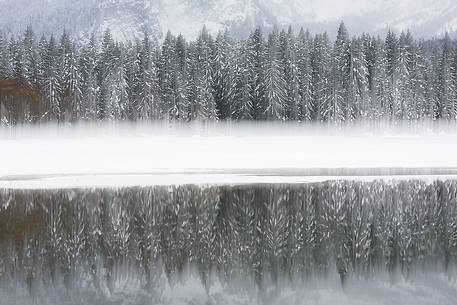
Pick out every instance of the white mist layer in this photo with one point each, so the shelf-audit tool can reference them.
(425, 289)
(110, 153)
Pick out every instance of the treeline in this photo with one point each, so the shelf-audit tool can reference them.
(246, 234)
(274, 76)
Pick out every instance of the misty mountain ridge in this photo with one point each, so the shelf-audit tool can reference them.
(130, 19)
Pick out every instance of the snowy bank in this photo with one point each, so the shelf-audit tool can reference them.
(241, 150)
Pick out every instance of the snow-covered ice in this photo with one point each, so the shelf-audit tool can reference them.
(142, 154)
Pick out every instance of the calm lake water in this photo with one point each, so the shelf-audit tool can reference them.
(248, 243)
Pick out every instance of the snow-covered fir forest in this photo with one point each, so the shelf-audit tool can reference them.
(279, 75)
(104, 239)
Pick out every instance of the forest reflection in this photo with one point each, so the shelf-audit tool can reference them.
(260, 235)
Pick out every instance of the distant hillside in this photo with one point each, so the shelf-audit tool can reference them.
(128, 19)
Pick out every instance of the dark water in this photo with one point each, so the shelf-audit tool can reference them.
(86, 246)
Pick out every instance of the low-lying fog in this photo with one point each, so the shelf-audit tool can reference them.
(134, 152)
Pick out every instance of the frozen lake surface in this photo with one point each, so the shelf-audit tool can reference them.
(116, 155)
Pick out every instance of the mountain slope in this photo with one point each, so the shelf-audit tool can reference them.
(129, 19)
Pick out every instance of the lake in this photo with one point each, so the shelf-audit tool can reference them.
(269, 243)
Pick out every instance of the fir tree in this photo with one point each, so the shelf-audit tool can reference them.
(288, 49)
(104, 68)
(358, 83)
(242, 99)
(222, 75)
(446, 107)
(304, 76)
(5, 58)
(167, 75)
(257, 55)
(52, 89)
(201, 99)
(89, 86)
(180, 109)
(72, 86)
(338, 109)
(147, 104)
(16, 51)
(320, 78)
(273, 83)
(392, 70)
(30, 57)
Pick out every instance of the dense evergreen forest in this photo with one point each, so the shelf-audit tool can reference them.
(279, 75)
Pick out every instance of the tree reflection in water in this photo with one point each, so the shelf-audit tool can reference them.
(107, 240)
